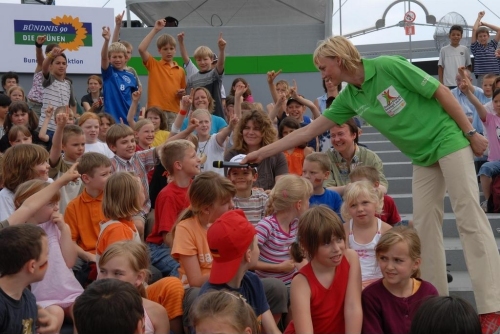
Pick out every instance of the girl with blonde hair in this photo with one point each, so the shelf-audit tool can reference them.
(288, 200)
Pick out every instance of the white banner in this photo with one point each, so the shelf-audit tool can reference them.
(76, 29)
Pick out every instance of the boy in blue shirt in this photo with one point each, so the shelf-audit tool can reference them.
(316, 169)
(118, 84)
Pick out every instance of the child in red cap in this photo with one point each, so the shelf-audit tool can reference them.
(233, 243)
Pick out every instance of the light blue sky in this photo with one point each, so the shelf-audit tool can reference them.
(362, 14)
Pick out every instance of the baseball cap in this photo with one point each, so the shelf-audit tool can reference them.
(238, 158)
(291, 99)
(215, 58)
(228, 239)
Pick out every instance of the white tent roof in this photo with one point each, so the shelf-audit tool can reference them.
(206, 13)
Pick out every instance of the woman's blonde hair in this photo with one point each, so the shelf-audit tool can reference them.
(29, 188)
(361, 188)
(120, 198)
(224, 305)
(260, 120)
(400, 234)
(317, 226)
(137, 255)
(342, 48)
(211, 102)
(207, 189)
(287, 191)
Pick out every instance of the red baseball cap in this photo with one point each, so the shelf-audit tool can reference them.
(228, 238)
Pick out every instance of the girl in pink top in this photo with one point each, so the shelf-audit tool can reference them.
(491, 122)
(276, 232)
(59, 288)
(331, 281)
(361, 203)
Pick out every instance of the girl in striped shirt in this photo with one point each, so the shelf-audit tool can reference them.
(287, 201)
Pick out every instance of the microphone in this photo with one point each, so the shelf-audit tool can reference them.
(227, 164)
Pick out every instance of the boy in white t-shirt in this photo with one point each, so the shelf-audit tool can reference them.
(453, 56)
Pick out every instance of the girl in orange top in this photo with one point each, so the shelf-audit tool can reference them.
(295, 157)
(123, 198)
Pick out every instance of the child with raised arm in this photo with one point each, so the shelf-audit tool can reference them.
(118, 83)
(182, 163)
(325, 296)
(167, 80)
(361, 204)
(483, 49)
(70, 140)
(491, 122)
(317, 169)
(288, 200)
(208, 77)
(57, 89)
(390, 303)
(57, 291)
(35, 95)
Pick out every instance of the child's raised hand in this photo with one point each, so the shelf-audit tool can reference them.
(481, 14)
(119, 19)
(221, 43)
(62, 119)
(193, 124)
(240, 90)
(136, 96)
(71, 174)
(233, 120)
(41, 39)
(461, 72)
(56, 52)
(186, 101)
(271, 75)
(58, 219)
(106, 34)
(180, 37)
(160, 24)
(181, 92)
(49, 111)
(281, 100)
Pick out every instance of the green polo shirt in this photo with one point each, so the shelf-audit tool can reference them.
(397, 99)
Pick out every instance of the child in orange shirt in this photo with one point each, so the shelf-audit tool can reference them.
(296, 156)
(122, 200)
(84, 213)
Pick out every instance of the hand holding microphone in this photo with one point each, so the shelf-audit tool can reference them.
(235, 162)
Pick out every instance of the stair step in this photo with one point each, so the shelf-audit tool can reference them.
(398, 169)
(399, 184)
(379, 145)
(392, 156)
(455, 254)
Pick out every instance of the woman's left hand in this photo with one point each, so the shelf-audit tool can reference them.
(479, 144)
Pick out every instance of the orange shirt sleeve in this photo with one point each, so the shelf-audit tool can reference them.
(184, 242)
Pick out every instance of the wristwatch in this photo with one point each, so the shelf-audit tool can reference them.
(470, 133)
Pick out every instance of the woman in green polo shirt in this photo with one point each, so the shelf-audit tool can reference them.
(423, 119)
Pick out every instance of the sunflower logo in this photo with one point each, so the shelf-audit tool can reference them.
(80, 31)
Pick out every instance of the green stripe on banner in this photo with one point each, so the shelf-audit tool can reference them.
(237, 65)
(29, 38)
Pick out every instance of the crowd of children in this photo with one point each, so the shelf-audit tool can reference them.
(307, 241)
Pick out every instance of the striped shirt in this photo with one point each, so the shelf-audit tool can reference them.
(274, 245)
(36, 91)
(485, 61)
(254, 206)
(140, 164)
(56, 93)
